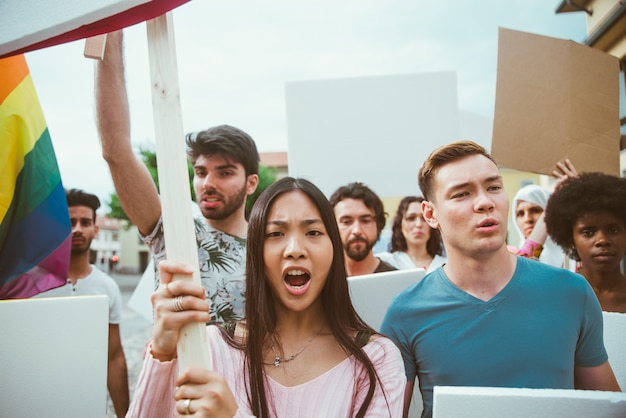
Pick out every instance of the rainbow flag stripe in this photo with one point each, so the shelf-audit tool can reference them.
(35, 231)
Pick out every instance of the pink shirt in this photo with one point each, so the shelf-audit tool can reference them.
(335, 393)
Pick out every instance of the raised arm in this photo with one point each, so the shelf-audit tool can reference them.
(133, 183)
(564, 170)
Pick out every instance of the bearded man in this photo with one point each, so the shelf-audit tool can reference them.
(225, 166)
(361, 218)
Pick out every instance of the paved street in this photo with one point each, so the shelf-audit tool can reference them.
(135, 330)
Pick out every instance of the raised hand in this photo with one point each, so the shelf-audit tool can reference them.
(565, 169)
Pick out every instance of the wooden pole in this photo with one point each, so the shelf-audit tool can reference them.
(173, 175)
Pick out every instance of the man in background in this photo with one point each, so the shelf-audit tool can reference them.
(488, 317)
(225, 172)
(361, 218)
(86, 279)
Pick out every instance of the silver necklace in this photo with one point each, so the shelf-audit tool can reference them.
(278, 360)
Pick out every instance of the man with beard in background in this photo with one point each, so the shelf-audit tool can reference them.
(86, 279)
(225, 171)
(361, 218)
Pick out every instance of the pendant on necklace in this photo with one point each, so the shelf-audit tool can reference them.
(276, 361)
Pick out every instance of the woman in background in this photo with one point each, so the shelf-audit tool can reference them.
(528, 214)
(528, 207)
(586, 216)
(414, 244)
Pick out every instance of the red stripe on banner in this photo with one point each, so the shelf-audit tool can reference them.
(137, 14)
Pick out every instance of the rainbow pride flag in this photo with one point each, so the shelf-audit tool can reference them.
(35, 231)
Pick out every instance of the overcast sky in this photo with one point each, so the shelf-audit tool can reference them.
(234, 58)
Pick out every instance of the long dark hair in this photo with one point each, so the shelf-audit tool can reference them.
(398, 242)
(260, 313)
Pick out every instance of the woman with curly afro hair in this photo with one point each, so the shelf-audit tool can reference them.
(586, 216)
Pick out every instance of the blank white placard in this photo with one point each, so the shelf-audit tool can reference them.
(54, 357)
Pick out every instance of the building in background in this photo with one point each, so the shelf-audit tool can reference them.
(277, 160)
(134, 254)
(118, 248)
(106, 247)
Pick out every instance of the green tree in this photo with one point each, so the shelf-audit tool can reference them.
(267, 176)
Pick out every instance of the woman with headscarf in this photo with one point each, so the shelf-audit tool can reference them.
(528, 213)
(528, 206)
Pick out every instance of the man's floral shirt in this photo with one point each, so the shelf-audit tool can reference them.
(222, 260)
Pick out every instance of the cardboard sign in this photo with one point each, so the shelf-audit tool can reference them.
(555, 99)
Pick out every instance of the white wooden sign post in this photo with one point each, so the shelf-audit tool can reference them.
(172, 168)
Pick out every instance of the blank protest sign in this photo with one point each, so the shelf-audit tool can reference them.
(377, 130)
(555, 99)
(483, 402)
(54, 357)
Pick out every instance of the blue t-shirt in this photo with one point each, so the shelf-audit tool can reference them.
(544, 322)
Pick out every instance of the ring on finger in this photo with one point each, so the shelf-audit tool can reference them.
(178, 304)
(186, 404)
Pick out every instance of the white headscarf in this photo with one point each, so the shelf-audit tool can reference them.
(552, 253)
